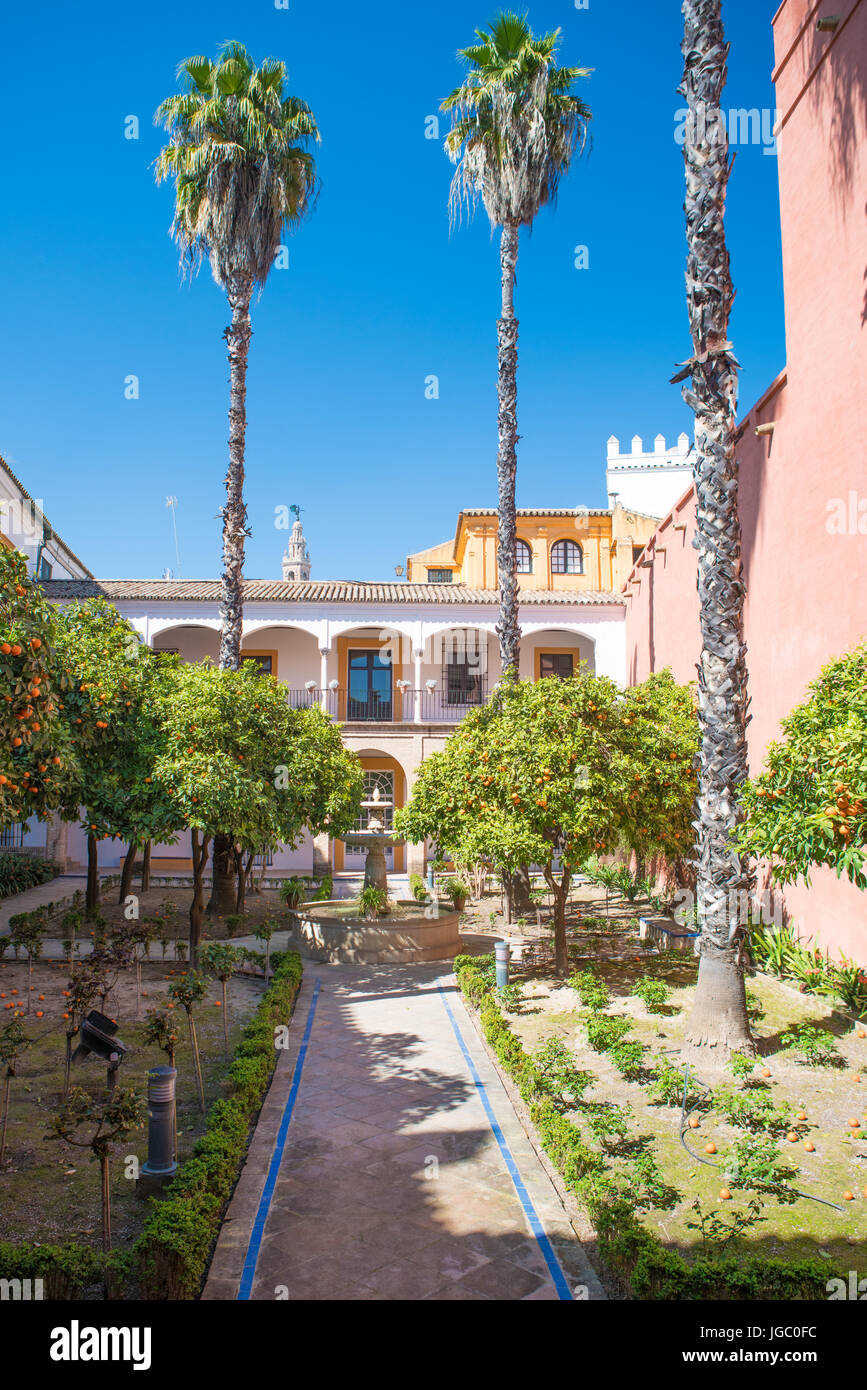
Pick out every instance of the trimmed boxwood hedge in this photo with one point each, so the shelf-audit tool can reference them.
(638, 1257)
(174, 1249)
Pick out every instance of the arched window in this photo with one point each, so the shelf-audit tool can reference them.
(567, 557)
(525, 558)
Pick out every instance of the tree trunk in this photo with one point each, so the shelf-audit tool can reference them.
(197, 1061)
(241, 878)
(224, 887)
(146, 867)
(507, 421)
(522, 902)
(126, 873)
(237, 335)
(560, 895)
(718, 1022)
(106, 1202)
(5, 1116)
(91, 901)
(197, 906)
(67, 1066)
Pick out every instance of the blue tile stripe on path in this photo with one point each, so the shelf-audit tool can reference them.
(556, 1272)
(257, 1232)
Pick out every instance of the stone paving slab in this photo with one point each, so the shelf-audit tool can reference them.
(392, 1184)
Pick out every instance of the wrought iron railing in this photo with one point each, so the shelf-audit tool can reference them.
(442, 705)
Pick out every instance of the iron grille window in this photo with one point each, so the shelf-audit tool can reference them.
(440, 577)
(12, 837)
(567, 557)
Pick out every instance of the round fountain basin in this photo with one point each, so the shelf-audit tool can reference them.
(333, 932)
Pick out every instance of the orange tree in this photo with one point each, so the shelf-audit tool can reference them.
(35, 755)
(237, 759)
(552, 772)
(809, 804)
(111, 688)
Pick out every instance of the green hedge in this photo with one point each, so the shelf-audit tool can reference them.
(18, 872)
(65, 1269)
(635, 1254)
(174, 1249)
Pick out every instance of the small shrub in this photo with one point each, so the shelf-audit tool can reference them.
(292, 892)
(372, 902)
(592, 991)
(418, 888)
(604, 1031)
(458, 892)
(815, 1047)
(654, 994)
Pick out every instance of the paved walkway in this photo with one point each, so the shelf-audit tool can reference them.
(389, 1163)
(51, 892)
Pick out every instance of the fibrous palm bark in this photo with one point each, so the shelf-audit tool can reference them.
(508, 630)
(718, 1022)
(239, 291)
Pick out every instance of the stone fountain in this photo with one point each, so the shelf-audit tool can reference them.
(376, 839)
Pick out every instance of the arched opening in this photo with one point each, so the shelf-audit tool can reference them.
(384, 772)
(556, 652)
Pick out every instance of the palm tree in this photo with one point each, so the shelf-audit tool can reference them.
(718, 1022)
(243, 172)
(516, 125)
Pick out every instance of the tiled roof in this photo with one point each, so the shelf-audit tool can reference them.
(311, 591)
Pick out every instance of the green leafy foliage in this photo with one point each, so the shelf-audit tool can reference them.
(752, 1109)
(653, 993)
(36, 759)
(814, 1046)
(551, 772)
(592, 991)
(18, 872)
(754, 1162)
(613, 1195)
(809, 805)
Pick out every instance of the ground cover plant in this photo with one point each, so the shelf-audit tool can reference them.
(717, 1213)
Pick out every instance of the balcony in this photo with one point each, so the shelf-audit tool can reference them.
(406, 706)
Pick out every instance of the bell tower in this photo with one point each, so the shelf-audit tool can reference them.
(296, 558)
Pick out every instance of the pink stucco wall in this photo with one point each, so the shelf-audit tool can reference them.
(806, 582)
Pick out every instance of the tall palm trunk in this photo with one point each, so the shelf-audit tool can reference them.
(507, 421)
(718, 1022)
(239, 290)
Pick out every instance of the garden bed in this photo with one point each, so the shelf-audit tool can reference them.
(630, 1157)
(50, 1192)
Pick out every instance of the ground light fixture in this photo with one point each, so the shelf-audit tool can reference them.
(828, 23)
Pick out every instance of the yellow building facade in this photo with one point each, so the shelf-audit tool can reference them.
(562, 549)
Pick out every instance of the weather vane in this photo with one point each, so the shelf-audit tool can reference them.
(297, 511)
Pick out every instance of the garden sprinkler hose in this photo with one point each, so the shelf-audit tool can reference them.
(684, 1125)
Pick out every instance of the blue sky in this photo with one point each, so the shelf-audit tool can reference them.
(377, 297)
